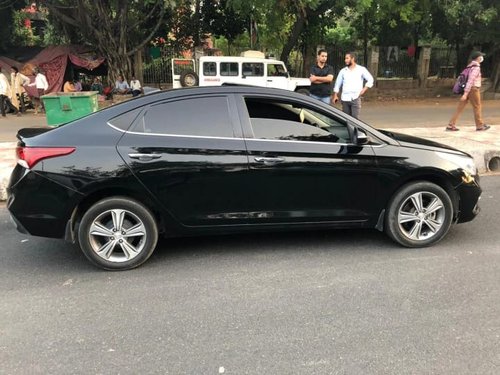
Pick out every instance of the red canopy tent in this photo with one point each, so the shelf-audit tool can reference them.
(53, 61)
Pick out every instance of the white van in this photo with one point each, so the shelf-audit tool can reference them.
(242, 70)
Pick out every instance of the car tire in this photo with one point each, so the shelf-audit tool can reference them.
(303, 91)
(189, 78)
(419, 214)
(117, 233)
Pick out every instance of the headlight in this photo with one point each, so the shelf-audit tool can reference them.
(463, 162)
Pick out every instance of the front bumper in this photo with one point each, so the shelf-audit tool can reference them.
(469, 196)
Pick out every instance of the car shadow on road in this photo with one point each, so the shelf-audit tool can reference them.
(349, 240)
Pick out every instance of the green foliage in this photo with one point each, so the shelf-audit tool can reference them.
(22, 35)
(53, 37)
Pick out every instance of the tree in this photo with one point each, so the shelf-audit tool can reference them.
(117, 29)
(471, 24)
(221, 20)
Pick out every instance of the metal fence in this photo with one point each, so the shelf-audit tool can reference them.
(158, 71)
(396, 62)
(443, 63)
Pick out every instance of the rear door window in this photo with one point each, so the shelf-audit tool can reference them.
(126, 119)
(253, 69)
(201, 116)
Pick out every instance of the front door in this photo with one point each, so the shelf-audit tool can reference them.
(304, 167)
(277, 76)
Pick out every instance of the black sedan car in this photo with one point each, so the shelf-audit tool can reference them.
(230, 159)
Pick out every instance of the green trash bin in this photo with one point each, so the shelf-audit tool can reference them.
(62, 107)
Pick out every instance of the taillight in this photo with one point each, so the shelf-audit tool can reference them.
(29, 156)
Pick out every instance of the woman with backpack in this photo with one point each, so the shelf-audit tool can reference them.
(471, 92)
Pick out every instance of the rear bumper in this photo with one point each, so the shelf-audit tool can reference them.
(39, 206)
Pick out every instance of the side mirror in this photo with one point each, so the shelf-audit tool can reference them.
(360, 137)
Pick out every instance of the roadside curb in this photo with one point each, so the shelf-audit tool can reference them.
(484, 147)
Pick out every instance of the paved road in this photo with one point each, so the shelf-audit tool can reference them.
(347, 302)
(400, 114)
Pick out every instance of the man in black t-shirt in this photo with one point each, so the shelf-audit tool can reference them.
(321, 78)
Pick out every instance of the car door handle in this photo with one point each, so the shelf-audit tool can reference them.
(268, 160)
(144, 157)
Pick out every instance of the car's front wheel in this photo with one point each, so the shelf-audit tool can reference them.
(117, 233)
(419, 214)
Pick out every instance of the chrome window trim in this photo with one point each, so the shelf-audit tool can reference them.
(235, 138)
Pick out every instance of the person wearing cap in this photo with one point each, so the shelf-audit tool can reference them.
(472, 93)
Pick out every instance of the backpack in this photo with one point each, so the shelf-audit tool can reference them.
(461, 82)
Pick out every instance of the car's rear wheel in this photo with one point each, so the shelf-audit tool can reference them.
(419, 214)
(117, 233)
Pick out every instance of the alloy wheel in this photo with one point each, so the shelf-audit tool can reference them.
(117, 235)
(421, 216)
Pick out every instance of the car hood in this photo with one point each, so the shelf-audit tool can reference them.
(417, 142)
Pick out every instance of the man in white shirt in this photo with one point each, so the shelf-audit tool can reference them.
(135, 86)
(352, 80)
(4, 95)
(41, 86)
(121, 86)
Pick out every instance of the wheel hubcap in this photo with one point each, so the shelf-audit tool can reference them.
(421, 216)
(117, 235)
(190, 80)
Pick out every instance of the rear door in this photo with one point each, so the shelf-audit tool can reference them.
(189, 153)
(304, 167)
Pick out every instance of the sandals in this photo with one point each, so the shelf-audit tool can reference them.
(484, 127)
(452, 128)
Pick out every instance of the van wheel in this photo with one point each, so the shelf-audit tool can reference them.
(189, 78)
(303, 91)
(419, 214)
(117, 234)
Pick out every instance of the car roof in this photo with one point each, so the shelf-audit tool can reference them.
(225, 89)
(239, 59)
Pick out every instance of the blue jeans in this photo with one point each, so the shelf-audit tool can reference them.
(324, 99)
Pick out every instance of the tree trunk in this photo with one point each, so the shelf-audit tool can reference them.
(495, 76)
(294, 36)
(309, 56)
(365, 39)
(417, 51)
(107, 26)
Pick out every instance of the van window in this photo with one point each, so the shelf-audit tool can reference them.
(228, 69)
(276, 70)
(253, 69)
(209, 69)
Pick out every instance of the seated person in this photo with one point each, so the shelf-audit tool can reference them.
(78, 85)
(121, 86)
(135, 86)
(97, 86)
(69, 86)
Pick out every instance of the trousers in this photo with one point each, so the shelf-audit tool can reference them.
(474, 98)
